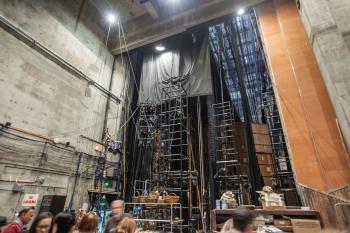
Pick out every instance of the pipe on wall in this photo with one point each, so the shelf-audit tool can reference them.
(45, 51)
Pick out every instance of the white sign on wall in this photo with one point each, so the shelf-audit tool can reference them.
(30, 200)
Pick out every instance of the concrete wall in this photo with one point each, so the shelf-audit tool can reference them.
(328, 27)
(318, 157)
(40, 96)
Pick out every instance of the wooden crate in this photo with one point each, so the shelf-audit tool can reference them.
(262, 139)
(260, 128)
(290, 197)
(263, 149)
(264, 158)
(267, 180)
(266, 169)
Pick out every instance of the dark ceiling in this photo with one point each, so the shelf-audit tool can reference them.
(147, 21)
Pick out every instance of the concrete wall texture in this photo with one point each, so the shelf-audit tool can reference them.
(328, 27)
(40, 96)
(318, 156)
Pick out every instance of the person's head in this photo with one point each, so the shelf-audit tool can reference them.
(41, 223)
(88, 223)
(3, 222)
(228, 226)
(126, 225)
(64, 222)
(243, 220)
(26, 215)
(117, 207)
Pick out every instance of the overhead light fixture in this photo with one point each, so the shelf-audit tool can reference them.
(111, 18)
(240, 11)
(160, 48)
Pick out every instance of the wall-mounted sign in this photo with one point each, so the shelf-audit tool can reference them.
(30, 200)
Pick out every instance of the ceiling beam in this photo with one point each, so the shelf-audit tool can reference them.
(102, 6)
(160, 29)
(152, 9)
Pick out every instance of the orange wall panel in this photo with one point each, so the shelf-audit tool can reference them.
(318, 156)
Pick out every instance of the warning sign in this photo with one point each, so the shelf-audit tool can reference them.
(30, 199)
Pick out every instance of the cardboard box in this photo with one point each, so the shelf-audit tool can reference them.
(264, 158)
(273, 201)
(272, 205)
(266, 169)
(263, 149)
(306, 226)
(282, 223)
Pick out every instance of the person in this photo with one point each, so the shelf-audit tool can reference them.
(20, 223)
(117, 212)
(228, 226)
(64, 223)
(243, 221)
(3, 223)
(42, 223)
(126, 225)
(88, 223)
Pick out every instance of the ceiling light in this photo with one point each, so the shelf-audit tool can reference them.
(240, 11)
(160, 48)
(111, 18)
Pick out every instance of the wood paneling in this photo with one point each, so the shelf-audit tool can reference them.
(318, 156)
(343, 192)
(335, 211)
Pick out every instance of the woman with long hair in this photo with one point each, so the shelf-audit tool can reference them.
(88, 223)
(42, 223)
(127, 225)
(64, 223)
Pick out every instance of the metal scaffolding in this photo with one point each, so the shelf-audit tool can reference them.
(171, 164)
(228, 175)
(237, 47)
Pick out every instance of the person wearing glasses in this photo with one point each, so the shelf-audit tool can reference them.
(42, 223)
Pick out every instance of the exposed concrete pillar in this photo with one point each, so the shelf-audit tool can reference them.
(328, 27)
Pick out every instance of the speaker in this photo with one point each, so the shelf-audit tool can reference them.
(53, 204)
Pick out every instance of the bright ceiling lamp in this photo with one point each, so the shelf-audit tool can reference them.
(111, 18)
(240, 11)
(160, 48)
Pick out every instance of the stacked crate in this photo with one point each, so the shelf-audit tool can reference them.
(241, 145)
(263, 149)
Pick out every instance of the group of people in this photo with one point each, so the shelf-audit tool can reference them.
(70, 223)
(119, 222)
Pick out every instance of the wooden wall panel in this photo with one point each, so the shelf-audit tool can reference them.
(318, 156)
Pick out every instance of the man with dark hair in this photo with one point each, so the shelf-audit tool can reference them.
(23, 218)
(243, 221)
